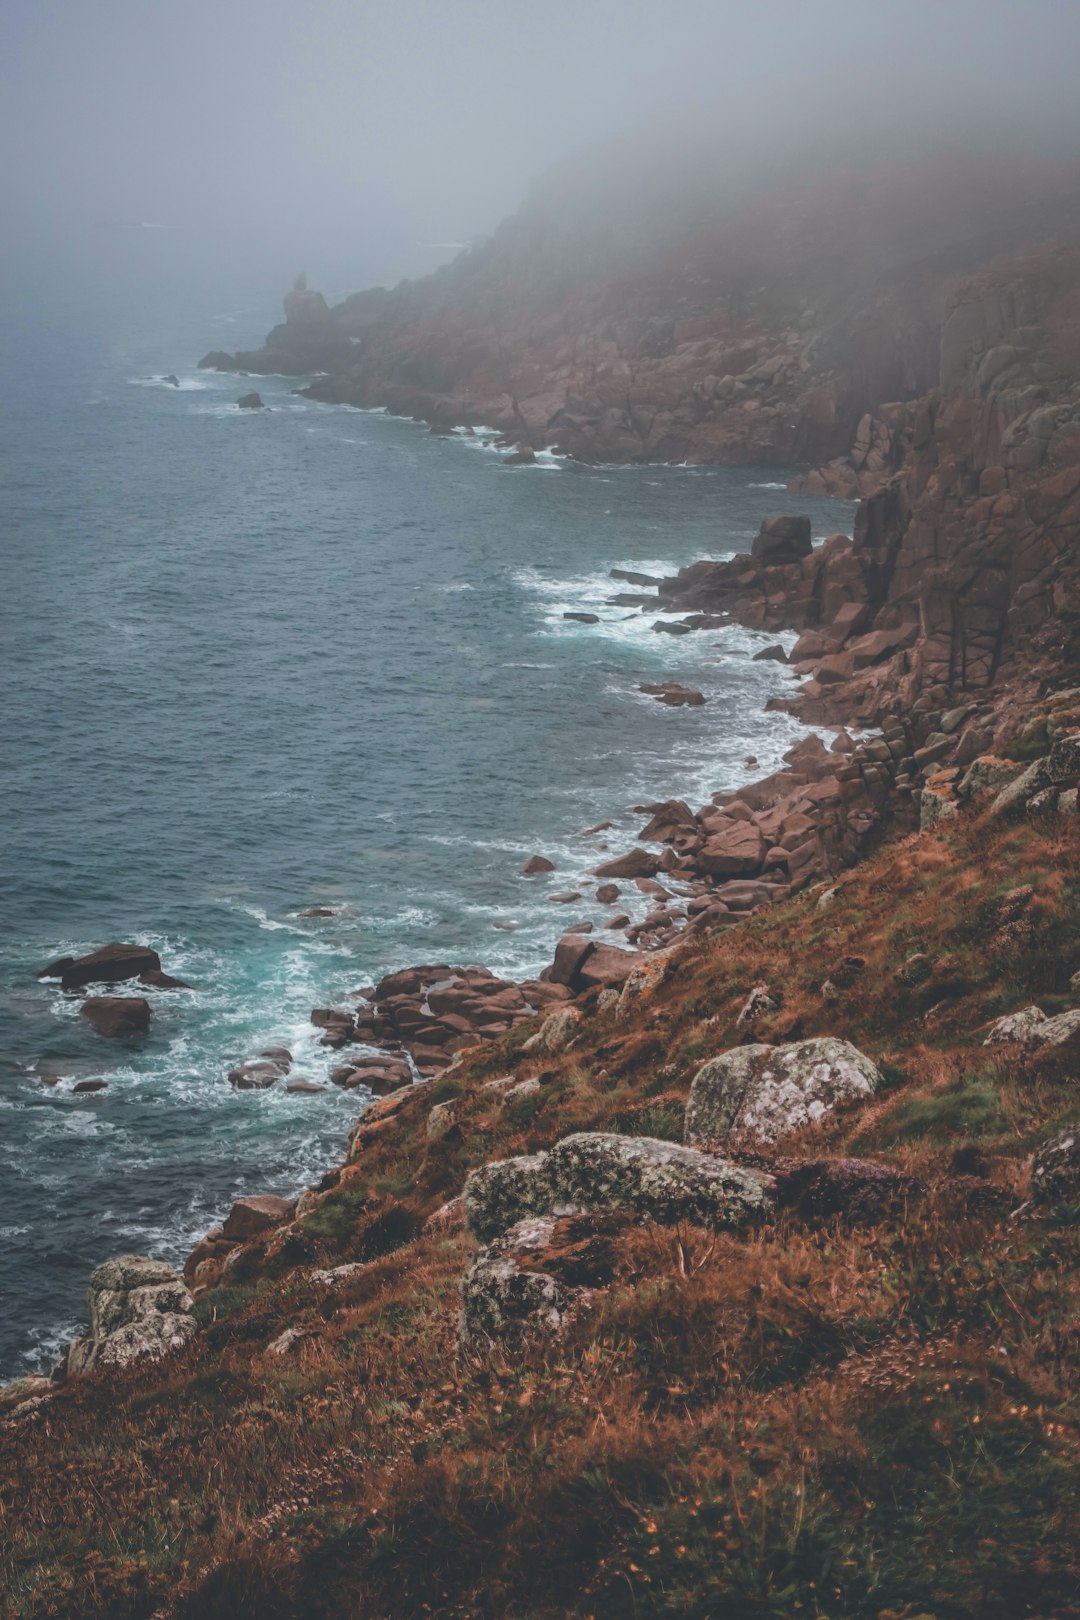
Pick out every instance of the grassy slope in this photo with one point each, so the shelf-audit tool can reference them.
(820, 1422)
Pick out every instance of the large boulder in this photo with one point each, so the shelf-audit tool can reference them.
(637, 863)
(505, 1191)
(735, 852)
(782, 540)
(111, 964)
(117, 1015)
(655, 1180)
(1055, 1169)
(757, 1094)
(1031, 1027)
(138, 1307)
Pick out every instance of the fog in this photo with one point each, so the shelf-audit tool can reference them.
(364, 140)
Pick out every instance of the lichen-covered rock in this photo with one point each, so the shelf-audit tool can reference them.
(138, 1307)
(644, 979)
(655, 1180)
(1063, 764)
(34, 1387)
(1055, 1169)
(536, 1276)
(505, 1191)
(1022, 1028)
(1031, 1027)
(556, 1032)
(1013, 798)
(936, 804)
(985, 774)
(761, 1093)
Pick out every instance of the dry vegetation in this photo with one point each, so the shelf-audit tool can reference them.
(816, 1420)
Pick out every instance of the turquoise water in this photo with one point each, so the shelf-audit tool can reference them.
(261, 661)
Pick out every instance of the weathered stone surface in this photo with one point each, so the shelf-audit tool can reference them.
(1031, 1027)
(1055, 1169)
(251, 1217)
(117, 1016)
(987, 774)
(782, 540)
(506, 1190)
(1012, 798)
(655, 1180)
(34, 1387)
(138, 1307)
(762, 1093)
(536, 864)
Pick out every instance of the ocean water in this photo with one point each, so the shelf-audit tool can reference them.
(255, 662)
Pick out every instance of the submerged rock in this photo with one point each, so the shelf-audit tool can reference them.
(138, 1307)
(117, 1015)
(760, 1093)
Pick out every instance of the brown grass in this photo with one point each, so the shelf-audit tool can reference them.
(823, 1422)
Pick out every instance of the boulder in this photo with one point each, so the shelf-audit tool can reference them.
(782, 540)
(251, 1217)
(674, 695)
(1055, 1169)
(117, 1015)
(256, 1076)
(637, 863)
(570, 953)
(737, 851)
(250, 402)
(583, 618)
(771, 655)
(89, 1086)
(33, 1387)
(605, 965)
(505, 1191)
(859, 1190)
(537, 863)
(1031, 1027)
(655, 1180)
(138, 1307)
(111, 964)
(556, 1032)
(535, 1276)
(761, 1093)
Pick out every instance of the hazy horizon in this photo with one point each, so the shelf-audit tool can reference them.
(364, 143)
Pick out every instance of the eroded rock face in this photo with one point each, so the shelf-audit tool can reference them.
(138, 1307)
(1055, 1169)
(762, 1093)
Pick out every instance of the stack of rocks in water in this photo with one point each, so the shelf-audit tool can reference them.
(430, 1013)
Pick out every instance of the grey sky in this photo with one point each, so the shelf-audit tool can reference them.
(358, 133)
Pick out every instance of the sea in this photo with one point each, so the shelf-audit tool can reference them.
(256, 662)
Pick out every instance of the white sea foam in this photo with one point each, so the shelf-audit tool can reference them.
(183, 385)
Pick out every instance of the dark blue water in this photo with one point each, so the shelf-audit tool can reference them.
(255, 662)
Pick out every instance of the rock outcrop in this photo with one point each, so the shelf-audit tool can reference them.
(138, 1307)
(117, 1016)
